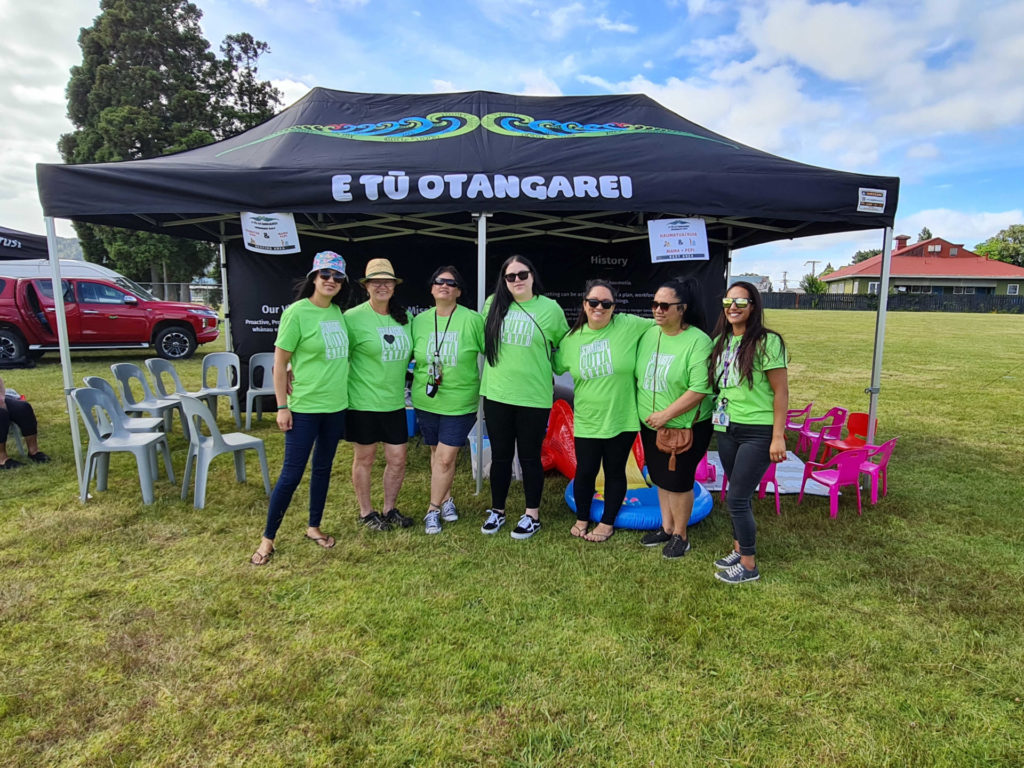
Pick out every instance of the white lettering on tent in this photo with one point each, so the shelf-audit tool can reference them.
(533, 186)
(431, 187)
(455, 182)
(371, 185)
(609, 186)
(506, 186)
(396, 185)
(341, 187)
(585, 186)
(480, 185)
(559, 186)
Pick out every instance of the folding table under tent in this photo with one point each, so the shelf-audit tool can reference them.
(389, 174)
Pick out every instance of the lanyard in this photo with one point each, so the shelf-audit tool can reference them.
(728, 357)
(439, 343)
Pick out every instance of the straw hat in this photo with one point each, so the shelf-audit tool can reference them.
(380, 269)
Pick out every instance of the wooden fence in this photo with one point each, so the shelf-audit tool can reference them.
(898, 302)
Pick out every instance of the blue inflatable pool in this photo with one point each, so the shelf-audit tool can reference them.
(641, 511)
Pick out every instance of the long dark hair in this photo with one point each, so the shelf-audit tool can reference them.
(591, 285)
(395, 308)
(307, 287)
(501, 301)
(688, 291)
(753, 343)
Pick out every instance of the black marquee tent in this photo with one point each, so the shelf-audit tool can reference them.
(419, 177)
(21, 245)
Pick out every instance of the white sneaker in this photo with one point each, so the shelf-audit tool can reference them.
(525, 528)
(448, 512)
(432, 522)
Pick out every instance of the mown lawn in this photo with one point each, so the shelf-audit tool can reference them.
(133, 635)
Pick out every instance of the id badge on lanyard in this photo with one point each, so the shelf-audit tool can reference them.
(719, 417)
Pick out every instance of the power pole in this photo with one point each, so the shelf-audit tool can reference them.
(785, 282)
(813, 264)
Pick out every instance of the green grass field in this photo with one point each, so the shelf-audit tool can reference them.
(133, 635)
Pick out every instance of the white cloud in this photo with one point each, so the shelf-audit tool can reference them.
(442, 86)
(603, 22)
(537, 83)
(291, 90)
(925, 151)
(962, 227)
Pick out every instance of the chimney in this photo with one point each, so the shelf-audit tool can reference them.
(901, 242)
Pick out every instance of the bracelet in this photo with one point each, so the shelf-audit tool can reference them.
(282, 407)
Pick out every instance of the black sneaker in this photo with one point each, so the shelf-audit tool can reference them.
(375, 522)
(677, 547)
(737, 574)
(394, 517)
(525, 528)
(11, 464)
(654, 538)
(494, 521)
(39, 457)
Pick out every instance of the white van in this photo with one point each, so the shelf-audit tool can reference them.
(32, 268)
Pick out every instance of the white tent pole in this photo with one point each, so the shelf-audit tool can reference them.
(228, 345)
(481, 296)
(65, 348)
(883, 302)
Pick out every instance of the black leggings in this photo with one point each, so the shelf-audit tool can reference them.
(591, 452)
(512, 427)
(19, 412)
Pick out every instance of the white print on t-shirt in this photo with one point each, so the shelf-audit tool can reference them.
(394, 344)
(661, 364)
(596, 360)
(335, 340)
(449, 351)
(517, 329)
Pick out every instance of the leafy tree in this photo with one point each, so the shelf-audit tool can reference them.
(860, 256)
(149, 85)
(924, 234)
(811, 284)
(1006, 246)
(828, 270)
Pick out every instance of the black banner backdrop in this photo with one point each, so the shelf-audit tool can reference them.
(260, 286)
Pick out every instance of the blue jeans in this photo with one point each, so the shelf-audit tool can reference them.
(744, 451)
(322, 430)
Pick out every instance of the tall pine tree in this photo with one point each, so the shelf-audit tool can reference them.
(149, 85)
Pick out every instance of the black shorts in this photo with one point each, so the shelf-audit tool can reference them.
(372, 427)
(681, 480)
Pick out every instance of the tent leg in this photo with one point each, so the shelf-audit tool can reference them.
(222, 250)
(883, 302)
(481, 295)
(65, 350)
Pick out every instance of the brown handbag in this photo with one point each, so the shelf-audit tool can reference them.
(670, 440)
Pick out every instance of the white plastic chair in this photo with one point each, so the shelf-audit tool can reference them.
(126, 374)
(229, 378)
(91, 402)
(202, 449)
(262, 362)
(131, 423)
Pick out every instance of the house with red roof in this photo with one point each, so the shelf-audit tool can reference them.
(930, 266)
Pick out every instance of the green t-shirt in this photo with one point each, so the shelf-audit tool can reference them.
(750, 404)
(665, 372)
(523, 373)
(461, 342)
(381, 349)
(601, 363)
(319, 343)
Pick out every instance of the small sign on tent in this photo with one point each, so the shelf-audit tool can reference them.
(678, 240)
(270, 233)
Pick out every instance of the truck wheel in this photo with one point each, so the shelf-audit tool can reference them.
(175, 343)
(12, 346)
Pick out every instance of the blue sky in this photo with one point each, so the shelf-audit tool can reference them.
(931, 90)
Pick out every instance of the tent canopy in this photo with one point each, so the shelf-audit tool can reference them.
(22, 245)
(363, 166)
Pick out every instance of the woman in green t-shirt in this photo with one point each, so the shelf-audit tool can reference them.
(447, 341)
(312, 338)
(521, 329)
(671, 385)
(600, 353)
(748, 368)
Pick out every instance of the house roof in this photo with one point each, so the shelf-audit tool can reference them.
(915, 261)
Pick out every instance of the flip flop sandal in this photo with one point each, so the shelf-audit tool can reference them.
(326, 542)
(599, 538)
(258, 559)
(578, 532)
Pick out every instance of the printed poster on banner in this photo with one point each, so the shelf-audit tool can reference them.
(272, 233)
(678, 240)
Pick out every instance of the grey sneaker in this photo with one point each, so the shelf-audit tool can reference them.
(494, 521)
(728, 561)
(677, 547)
(737, 574)
(375, 522)
(525, 528)
(432, 522)
(654, 538)
(448, 512)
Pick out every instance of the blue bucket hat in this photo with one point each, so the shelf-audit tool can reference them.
(328, 260)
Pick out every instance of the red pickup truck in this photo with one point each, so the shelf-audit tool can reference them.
(100, 315)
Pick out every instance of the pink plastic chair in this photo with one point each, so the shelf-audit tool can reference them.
(841, 470)
(762, 488)
(795, 418)
(831, 429)
(880, 454)
(706, 472)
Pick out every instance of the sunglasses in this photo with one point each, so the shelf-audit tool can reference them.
(451, 282)
(740, 303)
(603, 303)
(664, 305)
(331, 274)
(511, 277)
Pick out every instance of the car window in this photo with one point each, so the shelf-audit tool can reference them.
(99, 293)
(45, 287)
(3, 284)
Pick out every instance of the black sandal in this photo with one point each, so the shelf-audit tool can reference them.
(326, 542)
(577, 532)
(258, 559)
